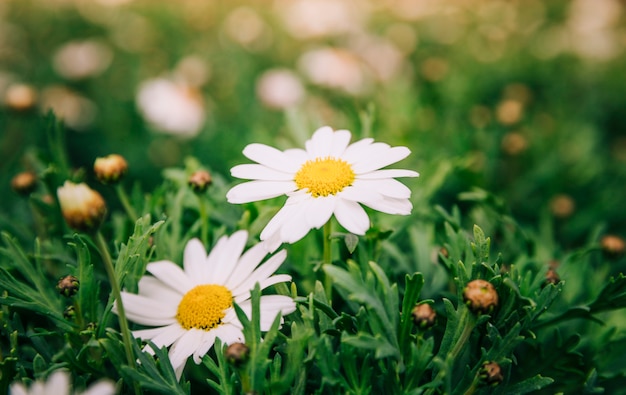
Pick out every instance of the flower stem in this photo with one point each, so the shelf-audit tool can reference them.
(204, 221)
(327, 257)
(121, 313)
(121, 194)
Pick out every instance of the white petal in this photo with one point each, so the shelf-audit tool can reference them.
(208, 339)
(354, 150)
(387, 187)
(184, 347)
(140, 306)
(171, 274)
(253, 191)
(102, 387)
(380, 160)
(297, 156)
(320, 144)
(360, 192)
(213, 260)
(243, 294)
(277, 221)
(246, 265)
(18, 389)
(270, 157)
(295, 227)
(270, 307)
(388, 173)
(341, 139)
(319, 210)
(260, 172)
(153, 288)
(230, 332)
(161, 337)
(260, 274)
(391, 206)
(230, 257)
(58, 383)
(352, 216)
(194, 259)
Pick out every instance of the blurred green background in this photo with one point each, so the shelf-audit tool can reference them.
(523, 99)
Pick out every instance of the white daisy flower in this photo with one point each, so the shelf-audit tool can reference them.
(58, 383)
(330, 176)
(193, 305)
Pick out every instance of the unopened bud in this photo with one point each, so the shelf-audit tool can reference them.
(68, 286)
(480, 296)
(552, 277)
(24, 183)
(491, 373)
(82, 207)
(110, 169)
(20, 97)
(237, 354)
(613, 246)
(69, 313)
(424, 316)
(200, 180)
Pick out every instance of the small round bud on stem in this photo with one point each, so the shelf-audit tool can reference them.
(68, 286)
(552, 277)
(613, 246)
(237, 354)
(491, 373)
(480, 296)
(69, 313)
(424, 316)
(200, 180)
(110, 169)
(82, 207)
(24, 183)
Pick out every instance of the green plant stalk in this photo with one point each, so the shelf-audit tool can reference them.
(117, 295)
(121, 194)
(327, 256)
(204, 221)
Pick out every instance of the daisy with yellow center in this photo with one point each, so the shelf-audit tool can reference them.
(193, 305)
(330, 176)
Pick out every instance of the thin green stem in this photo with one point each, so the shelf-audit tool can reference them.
(117, 295)
(327, 257)
(204, 220)
(121, 194)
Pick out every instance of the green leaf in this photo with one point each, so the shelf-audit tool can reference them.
(527, 386)
(351, 241)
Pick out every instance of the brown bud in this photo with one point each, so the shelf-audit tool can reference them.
(424, 316)
(237, 354)
(480, 296)
(200, 180)
(562, 206)
(552, 277)
(68, 286)
(613, 246)
(82, 207)
(110, 169)
(491, 373)
(24, 183)
(20, 97)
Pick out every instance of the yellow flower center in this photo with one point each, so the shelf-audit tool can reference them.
(323, 177)
(204, 306)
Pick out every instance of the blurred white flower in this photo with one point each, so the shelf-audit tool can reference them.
(279, 89)
(380, 54)
(246, 27)
(82, 59)
(171, 107)
(329, 177)
(58, 383)
(193, 70)
(20, 96)
(77, 111)
(190, 307)
(592, 27)
(320, 18)
(334, 68)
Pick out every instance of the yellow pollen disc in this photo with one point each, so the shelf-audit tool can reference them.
(204, 306)
(323, 177)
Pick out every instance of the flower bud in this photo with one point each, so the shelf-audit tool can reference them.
(480, 296)
(491, 373)
(423, 316)
(69, 313)
(24, 183)
(237, 354)
(613, 246)
(200, 180)
(82, 207)
(110, 169)
(68, 286)
(552, 277)
(20, 97)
